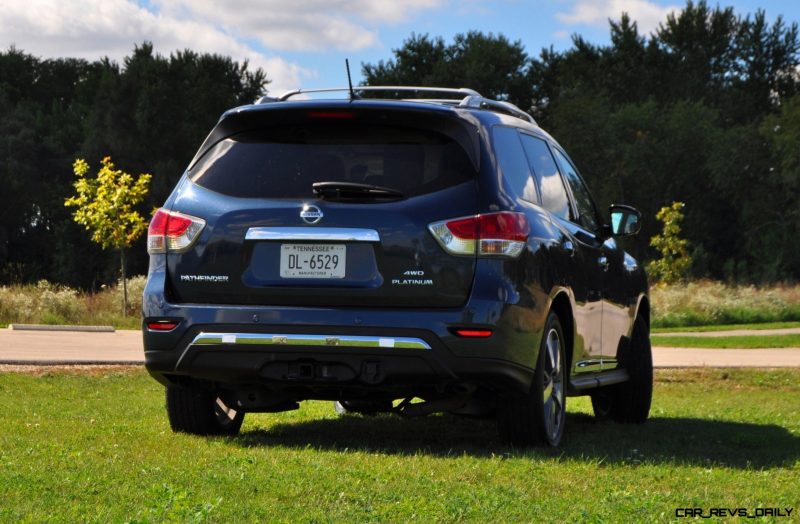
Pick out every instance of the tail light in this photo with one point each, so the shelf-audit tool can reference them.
(501, 234)
(162, 325)
(472, 333)
(172, 231)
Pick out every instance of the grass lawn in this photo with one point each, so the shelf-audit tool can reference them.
(753, 327)
(95, 446)
(738, 342)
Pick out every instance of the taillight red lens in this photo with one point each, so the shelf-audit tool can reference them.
(503, 226)
(162, 325)
(464, 228)
(177, 225)
(492, 234)
(173, 231)
(158, 224)
(473, 333)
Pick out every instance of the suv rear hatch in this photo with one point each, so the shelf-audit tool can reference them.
(361, 239)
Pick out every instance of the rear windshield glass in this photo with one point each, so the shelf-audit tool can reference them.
(284, 162)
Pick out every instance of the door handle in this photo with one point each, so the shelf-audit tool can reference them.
(603, 261)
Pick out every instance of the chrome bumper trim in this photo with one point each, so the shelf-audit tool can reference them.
(285, 339)
(337, 234)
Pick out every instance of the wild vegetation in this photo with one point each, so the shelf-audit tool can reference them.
(46, 303)
(712, 303)
(703, 303)
(95, 446)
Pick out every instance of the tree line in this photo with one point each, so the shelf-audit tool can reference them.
(149, 114)
(705, 110)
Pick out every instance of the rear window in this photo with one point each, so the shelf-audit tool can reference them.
(284, 162)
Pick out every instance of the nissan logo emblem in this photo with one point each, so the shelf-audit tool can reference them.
(311, 214)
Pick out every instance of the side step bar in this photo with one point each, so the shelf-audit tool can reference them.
(602, 378)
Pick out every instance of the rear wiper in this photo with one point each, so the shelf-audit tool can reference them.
(353, 190)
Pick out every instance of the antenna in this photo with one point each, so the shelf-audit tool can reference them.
(353, 95)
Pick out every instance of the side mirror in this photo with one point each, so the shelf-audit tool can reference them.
(625, 220)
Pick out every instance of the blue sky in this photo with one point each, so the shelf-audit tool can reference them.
(303, 43)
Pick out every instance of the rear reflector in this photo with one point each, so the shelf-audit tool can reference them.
(172, 231)
(162, 325)
(473, 333)
(493, 234)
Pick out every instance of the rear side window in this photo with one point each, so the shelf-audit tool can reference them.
(583, 199)
(554, 194)
(513, 163)
(284, 162)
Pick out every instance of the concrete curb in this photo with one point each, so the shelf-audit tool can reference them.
(47, 327)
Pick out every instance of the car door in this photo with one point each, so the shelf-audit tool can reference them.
(584, 246)
(609, 263)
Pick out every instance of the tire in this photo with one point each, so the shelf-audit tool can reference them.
(200, 412)
(630, 401)
(538, 418)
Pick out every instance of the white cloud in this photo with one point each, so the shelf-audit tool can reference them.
(303, 25)
(94, 28)
(597, 12)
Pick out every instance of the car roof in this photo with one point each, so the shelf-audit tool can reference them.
(454, 98)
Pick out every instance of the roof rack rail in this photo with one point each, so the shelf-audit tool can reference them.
(479, 102)
(471, 98)
(463, 91)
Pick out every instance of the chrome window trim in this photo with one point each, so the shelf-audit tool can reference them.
(285, 339)
(338, 234)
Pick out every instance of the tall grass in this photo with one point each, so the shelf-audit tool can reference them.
(693, 304)
(708, 302)
(46, 303)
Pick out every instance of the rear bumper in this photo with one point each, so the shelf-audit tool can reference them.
(399, 350)
(313, 362)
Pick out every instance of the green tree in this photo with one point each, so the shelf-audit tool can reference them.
(675, 259)
(491, 64)
(149, 112)
(105, 205)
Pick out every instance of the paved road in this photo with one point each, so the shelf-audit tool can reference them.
(125, 347)
(69, 347)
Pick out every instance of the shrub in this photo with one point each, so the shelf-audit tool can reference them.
(675, 259)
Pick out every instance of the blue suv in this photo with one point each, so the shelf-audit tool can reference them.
(405, 249)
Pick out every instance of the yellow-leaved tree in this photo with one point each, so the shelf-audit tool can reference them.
(674, 250)
(105, 205)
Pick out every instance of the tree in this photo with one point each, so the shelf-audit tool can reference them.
(675, 259)
(492, 65)
(149, 112)
(105, 206)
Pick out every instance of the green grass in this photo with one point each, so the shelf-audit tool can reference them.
(738, 342)
(96, 447)
(718, 327)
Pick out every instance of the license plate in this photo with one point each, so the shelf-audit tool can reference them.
(313, 260)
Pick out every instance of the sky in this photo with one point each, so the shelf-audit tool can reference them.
(303, 43)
